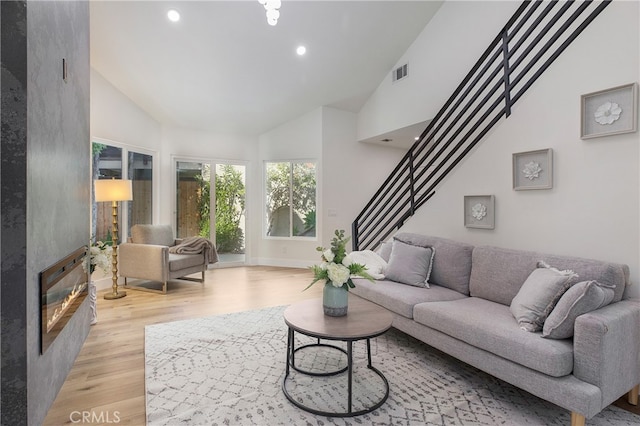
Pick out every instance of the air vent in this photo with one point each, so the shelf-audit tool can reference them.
(399, 73)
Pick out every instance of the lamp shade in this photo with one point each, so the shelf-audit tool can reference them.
(113, 190)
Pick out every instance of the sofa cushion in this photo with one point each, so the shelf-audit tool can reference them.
(491, 327)
(498, 273)
(539, 294)
(409, 264)
(161, 235)
(178, 262)
(401, 298)
(451, 263)
(586, 296)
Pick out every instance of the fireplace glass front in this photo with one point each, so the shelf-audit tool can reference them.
(63, 288)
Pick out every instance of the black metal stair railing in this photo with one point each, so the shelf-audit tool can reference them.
(533, 38)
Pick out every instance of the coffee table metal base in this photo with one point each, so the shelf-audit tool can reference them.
(291, 353)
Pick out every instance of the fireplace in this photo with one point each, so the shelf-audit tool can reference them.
(63, 287)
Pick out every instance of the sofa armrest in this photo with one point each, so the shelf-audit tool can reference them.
(606, 349)
(146, 261)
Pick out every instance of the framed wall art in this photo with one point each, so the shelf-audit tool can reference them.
(533, 170)
(479, 211)
(609, 112)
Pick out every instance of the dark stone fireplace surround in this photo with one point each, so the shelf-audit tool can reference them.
(44, 192)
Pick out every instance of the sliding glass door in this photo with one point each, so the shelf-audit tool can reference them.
(193, 199)
(210, 202)
(229, 218)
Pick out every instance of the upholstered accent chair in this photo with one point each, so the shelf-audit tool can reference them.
(146, 256)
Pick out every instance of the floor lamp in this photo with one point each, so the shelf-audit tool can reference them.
(114, 190)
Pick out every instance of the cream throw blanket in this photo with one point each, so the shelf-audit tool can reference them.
(195, 245)
(375, 264)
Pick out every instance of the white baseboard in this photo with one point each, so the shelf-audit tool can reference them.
(106, 282)
(285, 263)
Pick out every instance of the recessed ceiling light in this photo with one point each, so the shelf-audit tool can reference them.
(173, 15)
(301, 50)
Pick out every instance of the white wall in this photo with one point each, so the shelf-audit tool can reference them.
(347, 178)
(188, 143)
(438, 60)
(118, 120)
(348, 175)
(116, 117)
(593, 209)
(352, 171)
(297, 139)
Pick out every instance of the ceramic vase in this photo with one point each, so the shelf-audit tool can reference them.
(334, 300)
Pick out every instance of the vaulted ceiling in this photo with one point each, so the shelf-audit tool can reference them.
(222, 68)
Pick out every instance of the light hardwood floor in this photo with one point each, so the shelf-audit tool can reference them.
(108, 375)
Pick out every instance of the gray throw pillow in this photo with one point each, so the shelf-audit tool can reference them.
(586, 296)
(384, 251)
(539, 294)
(409, 264)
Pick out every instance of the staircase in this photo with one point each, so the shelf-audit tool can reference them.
(537, 33)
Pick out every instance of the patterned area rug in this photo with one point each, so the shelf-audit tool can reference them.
(228, 370)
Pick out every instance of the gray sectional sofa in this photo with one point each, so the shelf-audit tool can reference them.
(466, 313)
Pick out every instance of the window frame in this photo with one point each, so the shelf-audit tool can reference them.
(126, 148)
(265, 214)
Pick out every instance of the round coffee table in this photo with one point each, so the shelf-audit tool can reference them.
(364, 321)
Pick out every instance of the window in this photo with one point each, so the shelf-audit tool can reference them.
(290, 199)
(140, 171)
(121, 162)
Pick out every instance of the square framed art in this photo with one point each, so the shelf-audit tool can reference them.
(533, 170)
(609, 112)
(479, 211)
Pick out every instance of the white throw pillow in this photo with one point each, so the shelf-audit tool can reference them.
(375, 264)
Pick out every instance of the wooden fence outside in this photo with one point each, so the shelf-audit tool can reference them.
(141, 208)
(187, 205)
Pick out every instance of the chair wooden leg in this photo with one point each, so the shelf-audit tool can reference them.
(577, 419)
(164, 287)
(632, 396)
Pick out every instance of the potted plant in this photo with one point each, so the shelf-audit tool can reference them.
(336, 271)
